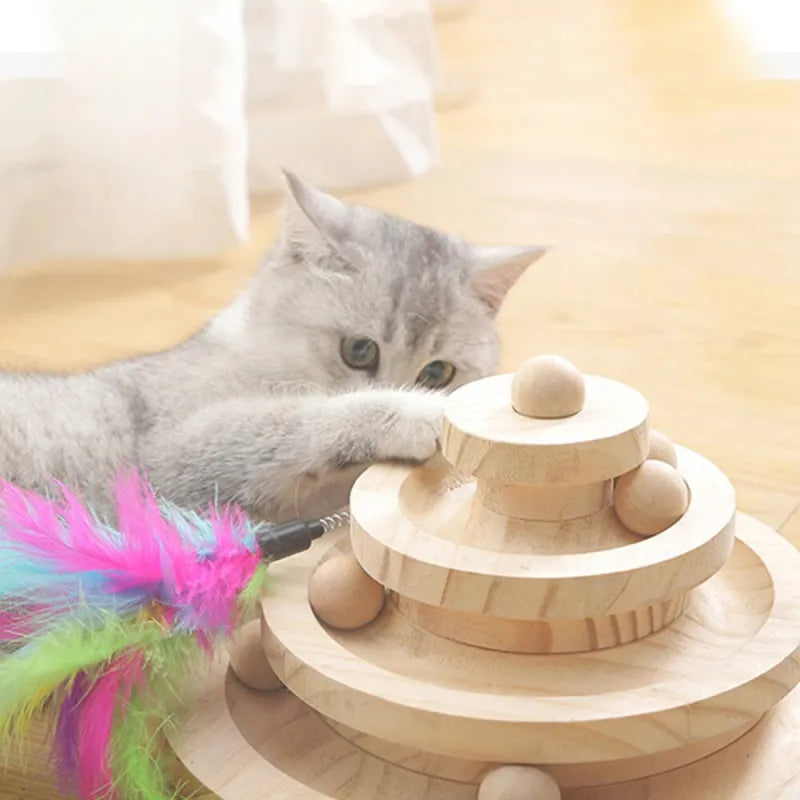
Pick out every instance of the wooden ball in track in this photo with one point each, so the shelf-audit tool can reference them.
(342, 595)
(661, 448)
(247, 659)
(651, 498)
(518, 783)
(548, 387)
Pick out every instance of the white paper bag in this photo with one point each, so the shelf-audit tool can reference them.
(123, 129)
(341, 91)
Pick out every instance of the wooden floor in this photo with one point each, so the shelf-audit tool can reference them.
(637, 140)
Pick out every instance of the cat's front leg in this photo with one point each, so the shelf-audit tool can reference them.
(271, 454)
(388, 425)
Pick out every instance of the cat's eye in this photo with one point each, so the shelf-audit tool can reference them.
(436, 375)
(359, 352)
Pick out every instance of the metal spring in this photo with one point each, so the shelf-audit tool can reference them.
(335, 520)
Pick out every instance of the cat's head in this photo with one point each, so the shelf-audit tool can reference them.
(354, 296)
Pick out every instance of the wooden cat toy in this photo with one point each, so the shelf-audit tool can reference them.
(564, 604)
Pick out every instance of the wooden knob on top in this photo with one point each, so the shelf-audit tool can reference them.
(548, 387)
(343, 595)
(651, 498)
(518, 783)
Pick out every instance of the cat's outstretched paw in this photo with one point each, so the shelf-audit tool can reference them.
(413, 427)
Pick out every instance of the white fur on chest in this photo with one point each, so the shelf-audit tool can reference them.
(229, 327)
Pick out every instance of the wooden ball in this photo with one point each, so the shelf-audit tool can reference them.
(661, 448)
(518, 783)
(650, 498)
(343, 595)
(548, 387)
(247, 659)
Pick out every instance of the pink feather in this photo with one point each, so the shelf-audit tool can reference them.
(85, 722)
(147, 556)
(59, 561)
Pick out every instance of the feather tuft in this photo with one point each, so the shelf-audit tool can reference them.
(108, 623)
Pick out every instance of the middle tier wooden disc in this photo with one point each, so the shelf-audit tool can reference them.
(421, 533)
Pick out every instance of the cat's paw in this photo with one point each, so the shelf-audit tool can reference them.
(413, 427)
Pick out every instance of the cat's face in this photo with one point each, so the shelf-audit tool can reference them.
(357, 297)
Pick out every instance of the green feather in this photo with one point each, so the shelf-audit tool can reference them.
(252, 593)
(29, 677)
(44, 669)
(173, 664)
(137, 755)
(139, 760)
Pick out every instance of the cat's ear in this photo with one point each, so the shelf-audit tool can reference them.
(496, 269)
(314, 221)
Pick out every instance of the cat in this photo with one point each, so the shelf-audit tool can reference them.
(337, 355)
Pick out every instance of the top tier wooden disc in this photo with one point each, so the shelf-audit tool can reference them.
(483, 435)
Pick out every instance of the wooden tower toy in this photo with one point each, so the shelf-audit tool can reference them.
(563, 604)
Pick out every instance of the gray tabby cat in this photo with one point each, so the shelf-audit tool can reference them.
(336, 356)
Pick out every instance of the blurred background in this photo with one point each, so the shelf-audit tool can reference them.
(655, 145)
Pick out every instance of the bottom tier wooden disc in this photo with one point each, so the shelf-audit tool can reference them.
(723, 664)
(246, 745)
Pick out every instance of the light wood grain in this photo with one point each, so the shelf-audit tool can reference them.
(454, 506)
(272, 745)
(791, 528)
(543, 502)
(726, 660)
(406, 544)
(569, 776)
(483, 436)
(269, 746)
(542, 635)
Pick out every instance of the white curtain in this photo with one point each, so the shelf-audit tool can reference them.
(340, 90)
(122, 128)
(137, 129)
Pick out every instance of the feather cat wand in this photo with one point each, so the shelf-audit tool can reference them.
(102, 624)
